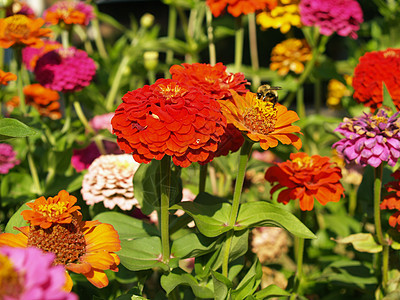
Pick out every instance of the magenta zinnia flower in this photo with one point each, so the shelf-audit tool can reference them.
(341, 16)
(7, 158)
(28, 273)
(370, 139)
(65, 70)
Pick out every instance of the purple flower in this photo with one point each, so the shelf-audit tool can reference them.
(28, 273)
(65, 70)
(370, 139)
(7, 158)
(342, 16)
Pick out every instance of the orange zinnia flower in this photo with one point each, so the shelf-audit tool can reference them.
(69, 12)
(392, 200)
(239, 7)
(306, 178)
(43, 99)
(20, 30)
(261, 120)
(5, 77)
(82, 247)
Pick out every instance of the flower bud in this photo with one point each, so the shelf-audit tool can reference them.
(147, 20)
(150, 60)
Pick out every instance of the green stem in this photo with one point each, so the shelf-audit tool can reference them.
(82, 117)
(20, 81)
(239, 37)
(172, 20)
(378, 224)
(253, 50)
(98, 39)
(353, 200)
(67, 123)
(243, 159)
(65, 38)
(112, 94)
(210, 35)
(151, 76)
(203, 177)
(32, 168)
(317, 95)
(299, 256)
(164, 208)
(301, 109)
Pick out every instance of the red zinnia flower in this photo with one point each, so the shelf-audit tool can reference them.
(239, 7)
(216, 82)
(392, 200)
(373, 69)
(169, 118)
(306, 178)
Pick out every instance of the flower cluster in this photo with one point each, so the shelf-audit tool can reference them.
(7, 158)
(69, 12)
(341, 16)
(169, 118)
(285, 15)
(370, 139)
(262, 121)
(20, 30)
(290, 55)
(65, 70)
(392, 200)
(109, 180)
(306, 178)
(56, 226)
(30, 274)
(374, 69)
(239, 7)
(5, 77)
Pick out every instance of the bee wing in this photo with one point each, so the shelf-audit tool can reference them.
(275, 88)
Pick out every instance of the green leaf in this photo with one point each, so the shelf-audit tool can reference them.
(211, 220)
(177, 277)
(17, 220)
(257, 214)
(147, 186)
(193, 245)
(222, 285)
(249, 283)
(387, 99)
(363, 242)
(14, 128)
(271, 291)
(142, 254)
(127, 227)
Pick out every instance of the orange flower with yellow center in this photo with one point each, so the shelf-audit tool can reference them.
(290, 55)
(306, 178)
(82, 247)
(21, 30)
(262, 121)
(5, 77)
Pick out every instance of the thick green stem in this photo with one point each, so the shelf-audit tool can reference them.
(353, 200)
(239, 37)
(65, 38)
(210, 35)
(20, 81)
(32, 168)
(203, 177)
(253, 50)
(67, 101)
(112, 94)
(172, 20)
(301, 108)
(98, 39)
(164, 208)
(378, 225)
(82, 117)
(243, 159)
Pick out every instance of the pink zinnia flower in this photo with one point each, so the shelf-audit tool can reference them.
(30, 55)
(370, 139)
(7, 158)
(102, 122)
(109, 180)
(341, 16)
(65, 70)
(28, 273)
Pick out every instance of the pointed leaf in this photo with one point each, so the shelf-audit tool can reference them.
(363, 242)
(193, 245)
(387, 99)
(142, 254)
(127, 227)
(14, 128)
(17, 220)
(222, 285)
(249, 283)
(271, 291)
(257, 214)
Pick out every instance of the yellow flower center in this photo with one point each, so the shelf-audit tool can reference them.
(171, 91)
(17, 25)
(66, 241)
(303, 162)
(10, 284)
(261, 118)
(378, 120)
(52, 210)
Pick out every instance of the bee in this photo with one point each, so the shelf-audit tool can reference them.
(268, 93)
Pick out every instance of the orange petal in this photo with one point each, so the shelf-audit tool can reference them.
(13, 240)
(97, 278)
(99, 260)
